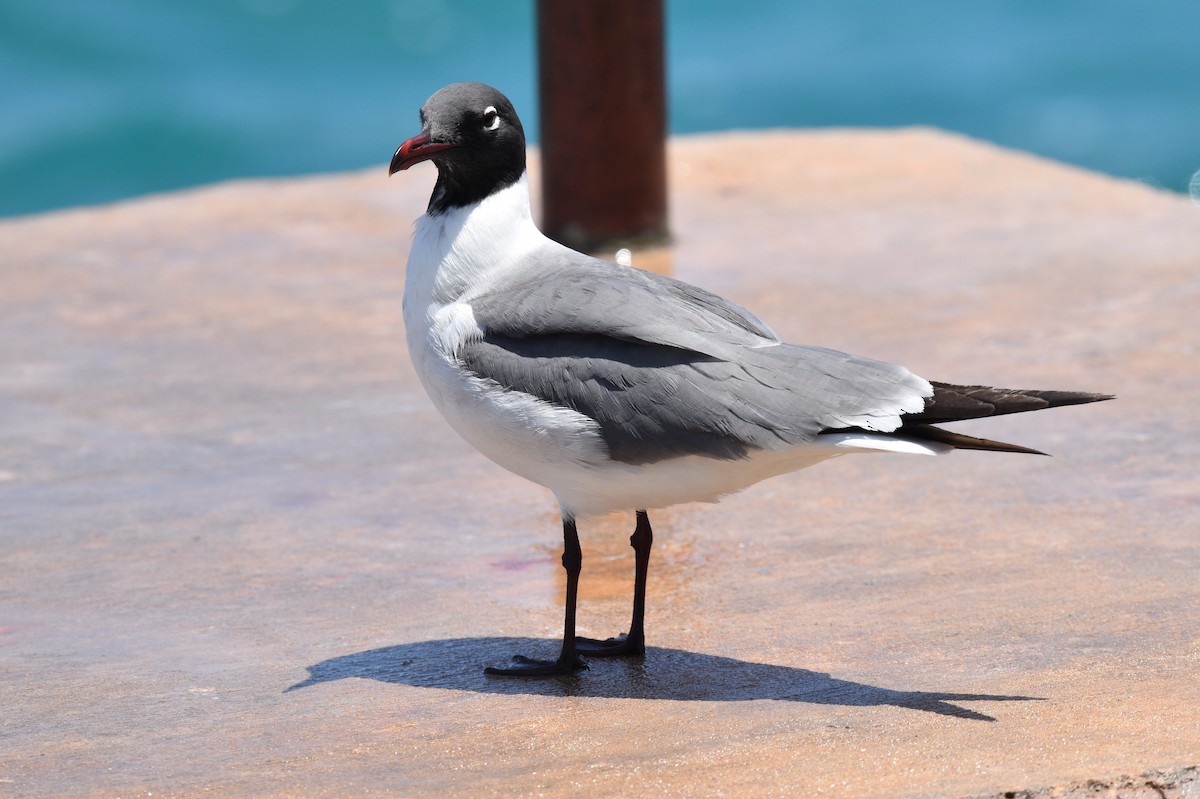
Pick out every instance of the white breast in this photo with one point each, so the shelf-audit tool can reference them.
(454, 255)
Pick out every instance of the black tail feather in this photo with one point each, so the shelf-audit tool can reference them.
(960, 441)
(951, 403)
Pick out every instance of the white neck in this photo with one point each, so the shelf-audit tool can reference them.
(462, 250)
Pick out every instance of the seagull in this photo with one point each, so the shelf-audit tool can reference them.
(620, 389)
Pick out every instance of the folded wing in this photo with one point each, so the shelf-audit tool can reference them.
(667, 370)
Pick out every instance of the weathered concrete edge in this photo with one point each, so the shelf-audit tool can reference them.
(932, 132)
(674, 141)
(1180, 783)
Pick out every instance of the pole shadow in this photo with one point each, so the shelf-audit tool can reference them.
(671, 674)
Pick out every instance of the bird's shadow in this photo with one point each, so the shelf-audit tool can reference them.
(671, 674)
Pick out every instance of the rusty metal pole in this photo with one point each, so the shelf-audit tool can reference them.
(603, 121)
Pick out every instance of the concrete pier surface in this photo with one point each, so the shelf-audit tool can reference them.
(241, 554)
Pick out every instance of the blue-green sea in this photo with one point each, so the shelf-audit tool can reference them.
(104, 99)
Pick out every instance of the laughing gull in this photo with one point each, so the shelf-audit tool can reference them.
(620, 389)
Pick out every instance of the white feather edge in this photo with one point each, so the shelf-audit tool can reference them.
(885, 443)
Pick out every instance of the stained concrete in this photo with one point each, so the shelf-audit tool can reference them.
(242, 555)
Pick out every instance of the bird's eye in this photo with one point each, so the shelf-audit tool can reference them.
(491, 120)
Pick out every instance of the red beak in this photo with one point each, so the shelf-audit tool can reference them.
(417, 149)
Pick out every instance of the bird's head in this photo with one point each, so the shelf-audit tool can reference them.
(472, 134)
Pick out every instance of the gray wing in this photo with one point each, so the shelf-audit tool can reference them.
(666, 369)
(565, 292)
(652, 402)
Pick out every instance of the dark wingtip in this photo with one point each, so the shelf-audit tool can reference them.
(1058, 399)
(954, 403)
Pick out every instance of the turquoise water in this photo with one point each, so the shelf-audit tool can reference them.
(104, 99)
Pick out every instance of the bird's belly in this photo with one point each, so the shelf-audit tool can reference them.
(692, 478)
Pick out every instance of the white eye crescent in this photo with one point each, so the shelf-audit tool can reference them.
(491, 120)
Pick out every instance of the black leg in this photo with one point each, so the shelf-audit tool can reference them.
(568, 661)
(634, 642)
